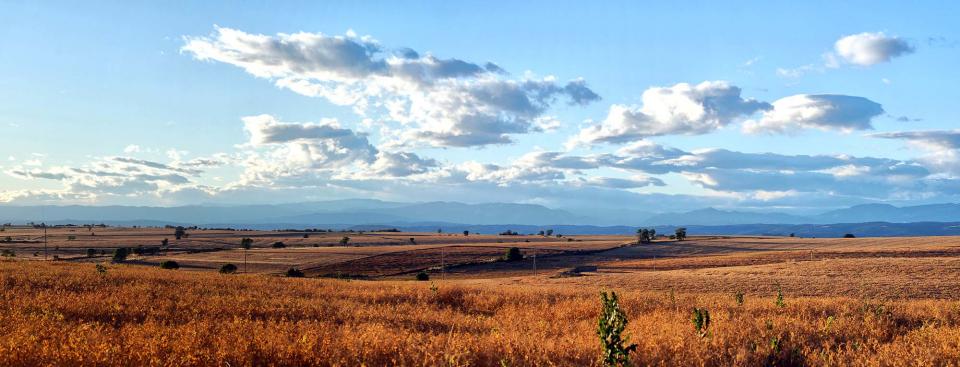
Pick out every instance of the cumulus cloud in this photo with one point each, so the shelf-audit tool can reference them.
(942, 147)
(816, 111)
(680, 109)
(436, 101)
(868, 49)
(102, 180)
(307, 152)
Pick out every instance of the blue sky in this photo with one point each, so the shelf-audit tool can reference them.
(170, 104)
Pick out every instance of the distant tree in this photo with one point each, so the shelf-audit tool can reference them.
(344, 241)
(680, 233)
(294, 273)
(179, 232)
(791, 235)
(423, 276)
(278, 244)
(165, 242)
(849, 235)
(653, 234)
(246, 243)
(541, 233)
(466, 233)
(439, 230)
(513, 254)
(549, 232)
(120, 254)
(645, 235)
(91, 252)
(169, 265)
(306, 235)
(228, 269)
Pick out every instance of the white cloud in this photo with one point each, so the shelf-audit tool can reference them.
(866, 49)
(680, 109)
(437, 102)
(817, 111)
(132, 148)
(942, 148)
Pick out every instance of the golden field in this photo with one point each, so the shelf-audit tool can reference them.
(846, 302)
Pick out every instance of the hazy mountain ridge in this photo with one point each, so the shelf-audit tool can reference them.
(354, 212)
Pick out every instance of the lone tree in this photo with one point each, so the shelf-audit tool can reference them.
(466, 233)
(849, 235)
(165, 242)
(179, 232)
(228, 269)
(513, 254)
(344, 241)
(246, 243)
(549, 232)
(120, 254)
(681, 233)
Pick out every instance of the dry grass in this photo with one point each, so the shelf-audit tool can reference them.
(68, 314)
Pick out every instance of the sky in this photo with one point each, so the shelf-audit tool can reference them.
(764, 106)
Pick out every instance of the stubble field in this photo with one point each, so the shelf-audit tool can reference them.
(845, 302)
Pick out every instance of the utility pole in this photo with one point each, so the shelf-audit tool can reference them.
(443, 266)
(534, 262)
(44, 241)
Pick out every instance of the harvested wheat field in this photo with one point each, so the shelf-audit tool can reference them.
(71, 314)
(770, 301)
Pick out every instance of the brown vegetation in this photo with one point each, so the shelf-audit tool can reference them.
(847, 302)
(69, 314)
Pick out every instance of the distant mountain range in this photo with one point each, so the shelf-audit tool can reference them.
(495, 217)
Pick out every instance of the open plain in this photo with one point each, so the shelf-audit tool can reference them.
(773, 300)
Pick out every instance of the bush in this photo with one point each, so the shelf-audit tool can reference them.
(513, 254)
(423, 276)
(610, 326)
(294, 273)
(849, 235)
(344, 241)
(228, 269)
(91, 252)
(701, 321)
(169, 265)
(120, 254)
(278, 244)
(71, 237)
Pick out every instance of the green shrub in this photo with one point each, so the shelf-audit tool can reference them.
(120, 254)
(610, 326)
(701, 321)
(228, 269)
(294, 273)
(739, 298)
(779, 301)
(278, 244)
(169, 265)
(91, 252)
(423, 276)
(513, 254)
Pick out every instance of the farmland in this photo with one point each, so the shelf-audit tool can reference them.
(845, 302)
